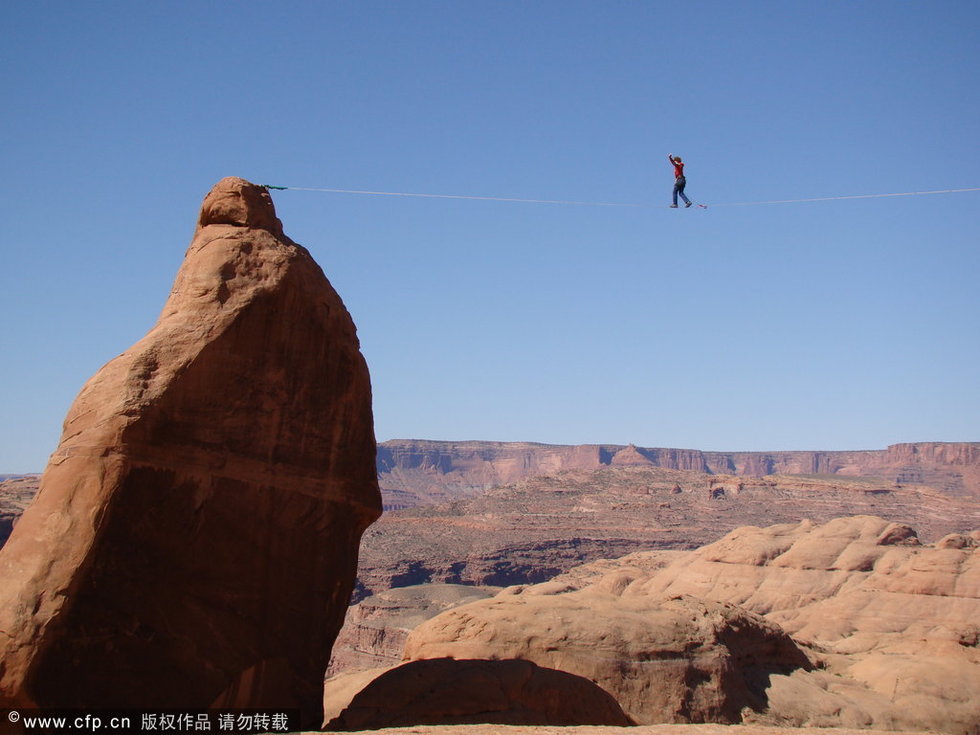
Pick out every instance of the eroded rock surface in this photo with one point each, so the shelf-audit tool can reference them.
(446, 691)
(895, 623)
(888, 626)
(195, 536)
(664, 660)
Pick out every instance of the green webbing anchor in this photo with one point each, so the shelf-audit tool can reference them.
(280, 188)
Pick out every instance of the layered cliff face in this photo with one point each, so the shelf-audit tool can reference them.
(422, 472)
(195, 537)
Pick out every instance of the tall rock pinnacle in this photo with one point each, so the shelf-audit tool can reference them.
(194, 541)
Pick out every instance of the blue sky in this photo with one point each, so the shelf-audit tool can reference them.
(829, 325)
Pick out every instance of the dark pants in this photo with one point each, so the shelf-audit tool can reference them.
(679, 183)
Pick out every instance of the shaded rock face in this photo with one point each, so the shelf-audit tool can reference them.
(450, 692)
(194, 540)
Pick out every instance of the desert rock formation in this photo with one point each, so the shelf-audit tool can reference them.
(896, 623)
(195, 537)
(888, 626)
(664, 660)
(447, 691)
(415, 472)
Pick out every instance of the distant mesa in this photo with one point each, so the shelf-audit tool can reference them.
(418, 472)
(195, 537)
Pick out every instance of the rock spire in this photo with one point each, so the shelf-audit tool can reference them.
(194, 541)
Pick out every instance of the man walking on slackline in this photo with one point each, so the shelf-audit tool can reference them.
(679, 181)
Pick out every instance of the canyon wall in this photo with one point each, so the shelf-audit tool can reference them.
(415, 472)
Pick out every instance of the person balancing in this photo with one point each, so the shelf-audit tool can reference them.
(679, 181)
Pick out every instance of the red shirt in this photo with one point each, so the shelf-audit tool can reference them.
(678, 169)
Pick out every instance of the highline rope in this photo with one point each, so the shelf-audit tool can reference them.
(571, 202)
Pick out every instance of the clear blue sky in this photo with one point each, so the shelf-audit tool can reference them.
(831, 325)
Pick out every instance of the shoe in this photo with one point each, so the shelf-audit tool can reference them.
(688, 205)
(673, 206)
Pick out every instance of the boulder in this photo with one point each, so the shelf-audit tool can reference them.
(195, 536)
(448, 692)
(664, 660)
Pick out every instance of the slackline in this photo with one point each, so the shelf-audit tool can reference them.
(571, 202)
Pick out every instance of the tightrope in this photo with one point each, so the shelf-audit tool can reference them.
(851, 196)
(461, 196)
(572, 202)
